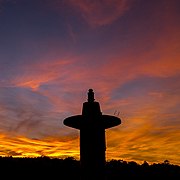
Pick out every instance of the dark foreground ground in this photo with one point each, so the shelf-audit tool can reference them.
(69, 168)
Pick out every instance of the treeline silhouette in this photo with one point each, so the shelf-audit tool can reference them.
(69, 168)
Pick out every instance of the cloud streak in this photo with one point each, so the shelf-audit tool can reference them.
(24, 147)
(99, 13)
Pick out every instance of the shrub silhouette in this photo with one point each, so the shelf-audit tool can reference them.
(69, 168)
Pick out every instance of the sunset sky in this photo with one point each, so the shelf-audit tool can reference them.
(53, 51)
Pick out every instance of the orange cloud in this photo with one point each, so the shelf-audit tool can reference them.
(52, 147)
(34, 75)
(144, 137)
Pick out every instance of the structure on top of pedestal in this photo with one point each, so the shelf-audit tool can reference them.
(92, 124)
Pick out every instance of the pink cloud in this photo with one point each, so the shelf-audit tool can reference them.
(38, 73)
(98, 13)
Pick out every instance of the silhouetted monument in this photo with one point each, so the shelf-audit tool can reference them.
(92, 125)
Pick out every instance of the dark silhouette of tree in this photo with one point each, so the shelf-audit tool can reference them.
(69, 168)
